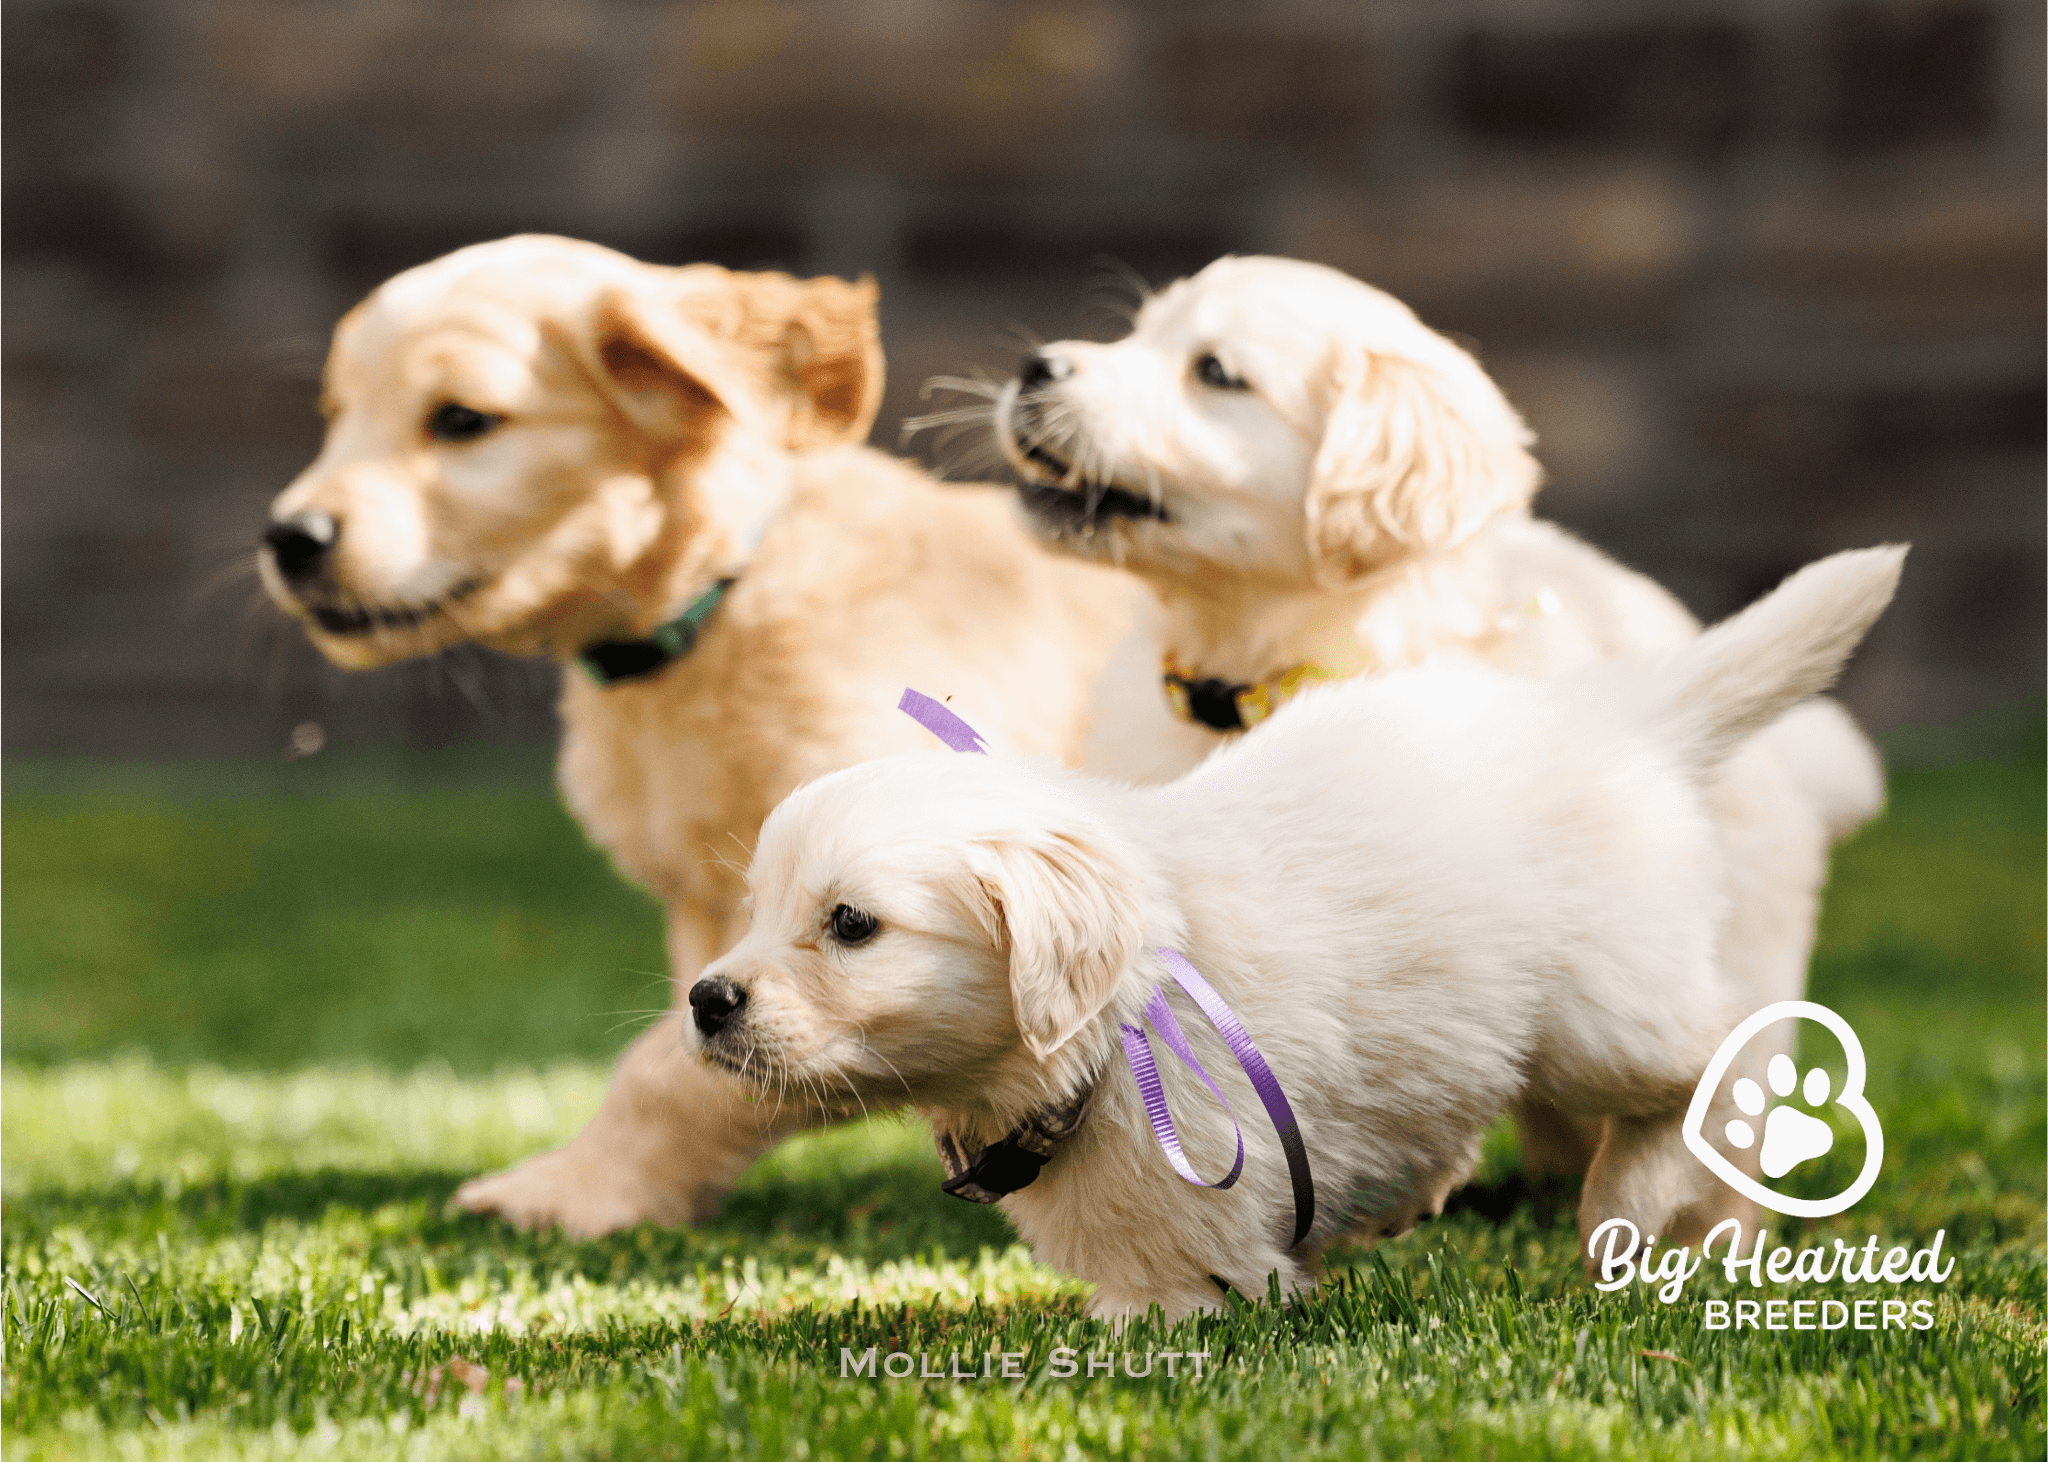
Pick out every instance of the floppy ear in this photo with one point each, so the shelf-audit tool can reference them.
(814, 344)
(662, 372)
(1065, 904)
(834, 346)
(1414, 458)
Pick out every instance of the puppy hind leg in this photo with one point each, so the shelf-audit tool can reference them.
(1692, 1223)
(1776, 855)
(1714, 1200)
(1643, 1173)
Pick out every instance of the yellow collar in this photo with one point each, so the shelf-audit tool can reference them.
(1226, 706)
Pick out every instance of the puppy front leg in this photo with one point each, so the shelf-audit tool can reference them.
(671, 1139)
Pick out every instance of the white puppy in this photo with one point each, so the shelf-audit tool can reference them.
(1418, 921)
(1317, 485)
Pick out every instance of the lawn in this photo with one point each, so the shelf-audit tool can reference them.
(259, 1020)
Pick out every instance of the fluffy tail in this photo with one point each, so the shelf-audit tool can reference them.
(1833, 763)
(1739, 676)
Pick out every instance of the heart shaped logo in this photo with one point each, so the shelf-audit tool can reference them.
(1790, 1136)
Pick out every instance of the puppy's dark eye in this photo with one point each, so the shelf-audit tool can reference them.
(1210, 372)
(452, 423)
(853, 926)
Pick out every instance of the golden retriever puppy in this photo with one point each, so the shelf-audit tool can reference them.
(1417, 920)
(1318, 486)
(652, 476)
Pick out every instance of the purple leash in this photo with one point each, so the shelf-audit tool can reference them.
(960, 736)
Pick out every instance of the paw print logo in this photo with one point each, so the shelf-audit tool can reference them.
(1790, 1136)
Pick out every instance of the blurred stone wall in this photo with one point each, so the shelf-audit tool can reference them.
(1767, 278)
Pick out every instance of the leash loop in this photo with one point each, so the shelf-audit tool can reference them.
(1278, 1110)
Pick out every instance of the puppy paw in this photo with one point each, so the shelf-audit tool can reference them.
(565, 1190)
(1391, 1223)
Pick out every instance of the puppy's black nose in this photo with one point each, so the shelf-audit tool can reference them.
(714, 1003)
(300, 544)
(1042, 370)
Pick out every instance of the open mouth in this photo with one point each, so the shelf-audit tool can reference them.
(340, 621)
(1083, 505)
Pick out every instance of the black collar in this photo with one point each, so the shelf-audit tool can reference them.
(1210, 700)
(1003, 1167)
(1230, 705)
(611, 661)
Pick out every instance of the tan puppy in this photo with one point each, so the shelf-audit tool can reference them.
(548, 448)
(1318, 486)
(1416, 919)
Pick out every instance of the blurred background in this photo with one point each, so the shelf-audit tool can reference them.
(291, 952)
(1766, 278)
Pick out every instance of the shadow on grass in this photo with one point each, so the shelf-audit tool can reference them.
(880, 1212)
(1549, 1200)
(895, 1207)
(876, 1212)
(225, 1205)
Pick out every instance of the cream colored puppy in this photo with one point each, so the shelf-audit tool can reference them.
(652, 476)
(1417, 920)
(1318, 486)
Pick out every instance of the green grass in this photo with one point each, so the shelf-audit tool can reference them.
(259, 1021)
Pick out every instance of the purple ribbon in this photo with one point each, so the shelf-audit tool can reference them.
(941, 722)
(1138, 1052)
(960, 736)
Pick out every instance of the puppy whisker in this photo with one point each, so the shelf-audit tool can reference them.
(979, 413)
(1115, 309)
(975, 456)
(971, 420)
(238, 570)
(854, 1092)
(1118, 272)
(640, 1019)
(870, 1050)
(718, 860)
(299, 357)
(978, 384)
(467, 679)
(953, 416)
(1022, 334)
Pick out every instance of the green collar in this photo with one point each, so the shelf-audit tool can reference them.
(610, 661)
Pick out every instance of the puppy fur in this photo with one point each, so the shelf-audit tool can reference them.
(1418, 921)
(654, 430)
(1304, 472)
